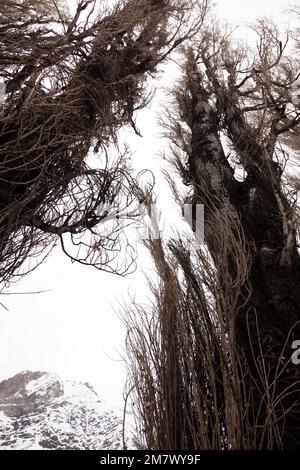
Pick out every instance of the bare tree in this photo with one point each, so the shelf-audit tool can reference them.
(70, 85)
(232, 313)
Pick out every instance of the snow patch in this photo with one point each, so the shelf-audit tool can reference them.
(42, 384)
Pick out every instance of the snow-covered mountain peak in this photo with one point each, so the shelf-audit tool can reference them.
(38, 410)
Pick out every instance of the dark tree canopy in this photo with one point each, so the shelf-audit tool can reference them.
(71, 84)
(226, 378)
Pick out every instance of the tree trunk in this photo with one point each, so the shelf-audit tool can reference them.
(266, 320)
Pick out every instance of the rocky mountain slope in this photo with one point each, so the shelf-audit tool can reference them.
(40, 411)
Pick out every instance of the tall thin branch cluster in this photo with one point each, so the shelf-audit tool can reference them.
(213, 364)
(70, 85)
(188, 380)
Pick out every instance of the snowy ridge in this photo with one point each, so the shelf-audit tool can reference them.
(41, 384)
(40, 411)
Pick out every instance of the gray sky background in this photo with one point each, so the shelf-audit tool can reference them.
(74, 329)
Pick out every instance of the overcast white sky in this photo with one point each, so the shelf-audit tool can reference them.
(74, 329)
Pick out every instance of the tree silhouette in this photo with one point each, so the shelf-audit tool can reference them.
(213, 364)
(71, 84)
